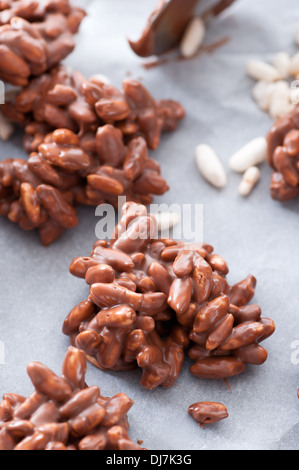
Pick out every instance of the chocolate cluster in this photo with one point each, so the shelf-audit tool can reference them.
(88, 144)
(283, 157)
(63, 413)
(35, 36)
(151, 300)
(65, 99)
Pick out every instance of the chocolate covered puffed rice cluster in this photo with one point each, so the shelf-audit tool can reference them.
(153, 299)
(283, 156)
(63, 413)
(43, 192)
(34, 37)
(65, 99)
(97, 152)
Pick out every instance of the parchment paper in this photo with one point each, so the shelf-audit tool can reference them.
(255, 235)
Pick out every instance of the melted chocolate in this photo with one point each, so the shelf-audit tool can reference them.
(164, 27)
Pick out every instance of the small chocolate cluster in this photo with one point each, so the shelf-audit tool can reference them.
(34, 37)
(283, 157)
(63, 413)
(153, 299)
(88, 144)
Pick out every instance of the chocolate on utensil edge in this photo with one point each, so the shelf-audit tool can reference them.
(167, 23)
(283, 157)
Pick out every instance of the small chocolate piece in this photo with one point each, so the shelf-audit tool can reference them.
(207, 412)
(165, 27)
(151, 300)
(63, 413)
(283, 156)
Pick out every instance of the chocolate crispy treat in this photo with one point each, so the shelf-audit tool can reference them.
(63, 413)
(152, 299)
(43, 192)
(65, 99)
(98, 152)
(283, 156)
(34, 38)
